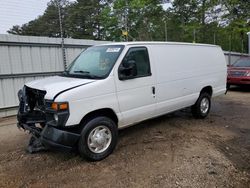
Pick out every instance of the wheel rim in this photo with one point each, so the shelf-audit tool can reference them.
(204, 105)
(99, 139)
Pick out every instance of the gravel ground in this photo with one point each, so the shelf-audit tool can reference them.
(174, 150)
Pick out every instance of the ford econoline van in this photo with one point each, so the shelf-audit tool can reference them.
(112, 86)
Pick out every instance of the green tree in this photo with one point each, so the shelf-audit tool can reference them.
(222, 22)
(238, 16)
(84, 18)
(141, 18)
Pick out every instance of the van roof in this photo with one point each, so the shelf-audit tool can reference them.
(157, 43)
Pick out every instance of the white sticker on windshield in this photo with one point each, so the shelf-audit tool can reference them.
(113, 50)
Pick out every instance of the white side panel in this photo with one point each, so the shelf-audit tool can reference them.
(87, 98)
(136, 100)
(26, 60)
(8, 92)
(1, 94)
(45, 60)
(5, 66)
(182, 71)
(15, 57)
(36, 57)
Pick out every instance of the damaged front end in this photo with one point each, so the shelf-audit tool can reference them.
(31, 107)
(45, 120)
(31, 115)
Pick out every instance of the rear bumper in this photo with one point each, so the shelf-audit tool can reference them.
(238, 80)
(57, 139)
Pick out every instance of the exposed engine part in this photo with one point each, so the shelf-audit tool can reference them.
(31, 112)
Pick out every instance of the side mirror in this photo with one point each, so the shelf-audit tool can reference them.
(127, 70)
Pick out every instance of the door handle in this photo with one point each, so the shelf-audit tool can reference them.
(153, 90)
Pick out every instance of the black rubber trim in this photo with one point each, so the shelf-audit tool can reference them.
(56, 146)
(70, 89)
(59, 139)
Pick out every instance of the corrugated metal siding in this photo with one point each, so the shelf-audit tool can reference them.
(31, 55)
(232, 57)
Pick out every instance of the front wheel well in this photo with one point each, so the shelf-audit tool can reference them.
(208, 90)
(107, 112)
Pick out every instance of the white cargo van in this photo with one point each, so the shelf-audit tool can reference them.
(112, 86)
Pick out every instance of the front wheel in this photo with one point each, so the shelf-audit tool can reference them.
(202, 106)
(98, 139)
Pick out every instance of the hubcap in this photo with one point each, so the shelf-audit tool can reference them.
(99, 139)
(204, 105)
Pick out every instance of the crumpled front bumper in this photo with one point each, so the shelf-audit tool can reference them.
(58, 139)
(52, 137)
(35, 121)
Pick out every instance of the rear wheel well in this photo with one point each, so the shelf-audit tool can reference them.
(208, 90)
(107, 112)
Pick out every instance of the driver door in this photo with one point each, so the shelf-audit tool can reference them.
(135, 87)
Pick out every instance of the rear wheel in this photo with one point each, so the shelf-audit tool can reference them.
(98, 138)
(202, 106)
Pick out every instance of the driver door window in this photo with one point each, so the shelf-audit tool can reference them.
(135, 64)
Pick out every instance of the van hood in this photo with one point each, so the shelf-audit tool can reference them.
(57, 84)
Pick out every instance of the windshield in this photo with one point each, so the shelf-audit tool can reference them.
(95, 62)
(242, 63)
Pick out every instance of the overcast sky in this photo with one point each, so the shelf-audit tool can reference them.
(18, 12)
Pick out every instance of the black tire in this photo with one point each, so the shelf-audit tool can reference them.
(197, 108)
(85, 150)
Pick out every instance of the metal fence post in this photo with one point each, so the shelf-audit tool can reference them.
(61, 31)
(248, 42)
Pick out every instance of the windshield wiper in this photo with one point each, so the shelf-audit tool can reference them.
(88, 75)
(81, 71)
(92, 76)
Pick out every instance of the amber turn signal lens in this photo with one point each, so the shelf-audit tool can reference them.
(54, 106)
(63, 106)
(59, 106)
